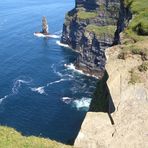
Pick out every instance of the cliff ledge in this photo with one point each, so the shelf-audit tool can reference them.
(127, 126)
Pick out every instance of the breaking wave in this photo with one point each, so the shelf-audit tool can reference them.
(59, 73)
(47, 36)
(61, 44)
(71, 66)
(83, 103)
(40, 90)
(2, 99)
(58, 81)
(79, 104)
(67, 100)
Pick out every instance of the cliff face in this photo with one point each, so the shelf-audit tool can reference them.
(91, 27)
(125, 124)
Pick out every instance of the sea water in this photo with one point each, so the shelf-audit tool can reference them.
(41, 93)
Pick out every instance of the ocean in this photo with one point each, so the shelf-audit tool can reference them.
(41, 92)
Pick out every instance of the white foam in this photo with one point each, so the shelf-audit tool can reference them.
(82, 103)
(61, 44)
(67, 100)
(40, 90)
(54, 36)
(47, 36)
(58, 81)
(2, 99)
(17, 85)
(72, 67)
(54, 70)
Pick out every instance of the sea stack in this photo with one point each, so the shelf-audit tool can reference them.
(44, 26)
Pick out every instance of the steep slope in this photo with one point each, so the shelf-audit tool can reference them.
(123, 95)
(90, 28)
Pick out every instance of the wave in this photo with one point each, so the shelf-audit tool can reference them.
(2, 99)
(83, 103)
(71, 66)
(79, 104)
(47, 36)
(17, 85)
(61, 44)
(56, 72)
(15, 88)
(58, 81)
(40, 90)
(67, 100)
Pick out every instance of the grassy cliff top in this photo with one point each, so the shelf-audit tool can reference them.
(138, 26)
(9, 138)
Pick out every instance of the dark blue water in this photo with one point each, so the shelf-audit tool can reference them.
(39, 94)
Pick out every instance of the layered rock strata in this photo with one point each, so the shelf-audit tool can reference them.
(90, 28)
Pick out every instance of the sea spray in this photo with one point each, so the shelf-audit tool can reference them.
(39, 90)
(40, 35)
(79, 104)
(61, 44)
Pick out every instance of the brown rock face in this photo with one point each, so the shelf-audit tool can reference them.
(44, 26)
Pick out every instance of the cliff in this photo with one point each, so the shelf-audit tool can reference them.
(90, 28)
(118, 115)
(126, 122)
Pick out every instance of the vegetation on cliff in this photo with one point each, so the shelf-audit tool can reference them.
(135, 36)
(11, 138)
(86, 15)
(139, 23)
(101, 31)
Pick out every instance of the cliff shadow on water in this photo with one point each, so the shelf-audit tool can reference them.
(102, 100)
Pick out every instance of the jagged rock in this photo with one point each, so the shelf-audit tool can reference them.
(44, 26)
(92, 43)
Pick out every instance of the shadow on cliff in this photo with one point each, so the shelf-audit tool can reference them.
(102, 100)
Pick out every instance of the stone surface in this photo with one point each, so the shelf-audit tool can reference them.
(130, 128)
(90, 45)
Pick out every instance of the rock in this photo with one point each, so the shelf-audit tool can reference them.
(91, 43)
(127, 125)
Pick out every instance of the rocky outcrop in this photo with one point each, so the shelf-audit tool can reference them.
(127, 125)
(90, 28)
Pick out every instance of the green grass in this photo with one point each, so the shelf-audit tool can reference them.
(138, 27)
(9, 138)
(86, 15)
(102, 30)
